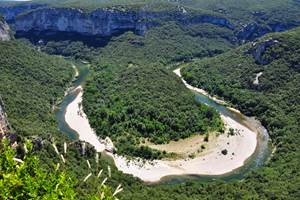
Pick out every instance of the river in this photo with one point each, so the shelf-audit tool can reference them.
(258, 158)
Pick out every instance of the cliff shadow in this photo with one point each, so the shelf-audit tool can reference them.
(95, 41)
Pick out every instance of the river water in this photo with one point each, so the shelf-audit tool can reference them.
(83, 72)
(262, 152)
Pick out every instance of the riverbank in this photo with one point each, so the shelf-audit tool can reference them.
(77, 120)
(236, 150)
(198, 90)
(221, 155)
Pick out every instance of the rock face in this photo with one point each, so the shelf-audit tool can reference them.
(105, 22)
(251, 31)
(4, 31)
(254, 30)
(258, 50)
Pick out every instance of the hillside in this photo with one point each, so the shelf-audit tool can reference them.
(241, 8)
(30, 84)
(133, 96)
(262, 79)
(246, 19)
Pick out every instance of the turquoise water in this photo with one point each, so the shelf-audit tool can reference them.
(60, 114)
(260, 156)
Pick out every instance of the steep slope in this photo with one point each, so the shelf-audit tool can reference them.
(279, 179)
(107, 22)
(30, 83)
(262, 79)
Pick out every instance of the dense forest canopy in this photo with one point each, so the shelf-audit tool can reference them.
(145, 103)
(31, 82)
(232, 5)
(165, 44)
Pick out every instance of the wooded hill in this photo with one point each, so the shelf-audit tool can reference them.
(274, 100)
(132, 97)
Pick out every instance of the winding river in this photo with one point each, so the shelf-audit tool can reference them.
(71, 94)
(258, 158)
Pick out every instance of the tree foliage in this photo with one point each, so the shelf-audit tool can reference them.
(30, 85)
(25, 179)
(133, 97)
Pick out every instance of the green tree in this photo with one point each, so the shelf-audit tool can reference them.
(26, 179)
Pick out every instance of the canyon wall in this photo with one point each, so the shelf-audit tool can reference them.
(105, 22)
(108, 21)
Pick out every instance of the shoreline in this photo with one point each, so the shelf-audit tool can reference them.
(77, 120)
(198, 90)
(239, 148)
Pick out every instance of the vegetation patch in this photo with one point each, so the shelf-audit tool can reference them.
(145, 102)
(30, 84)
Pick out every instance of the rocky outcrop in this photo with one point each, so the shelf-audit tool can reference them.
(258, 50)
(106, 22)
(5, 34)
(251, 31)
(254, 30)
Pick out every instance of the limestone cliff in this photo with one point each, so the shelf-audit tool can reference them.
(4, 31)
(105, 22)
(258, 50)
(108, 21)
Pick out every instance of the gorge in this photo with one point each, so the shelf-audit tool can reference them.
(166, 99)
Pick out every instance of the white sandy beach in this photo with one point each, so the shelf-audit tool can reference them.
(239, 148)
(77, 120)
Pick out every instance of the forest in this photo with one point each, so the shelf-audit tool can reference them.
(123, 101)
(144, 103)
(31, 83)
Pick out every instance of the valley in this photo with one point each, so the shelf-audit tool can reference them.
(142, 99)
